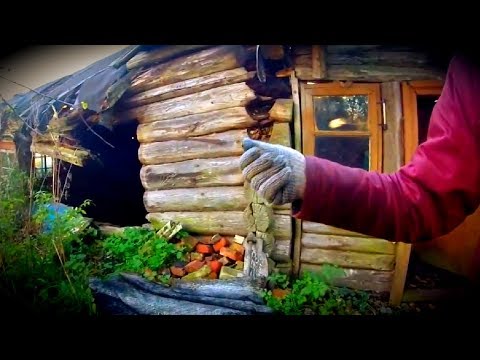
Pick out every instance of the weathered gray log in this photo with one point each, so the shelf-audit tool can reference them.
(282, 110)
(318, 228)
(228, 143)
(255, 260)
(222, 198)
(360, 279)
(348, 243)
(282, 251)
(193, 173)
(350, 259)
(189, 86)
(195, 125)
(219, 222)
(222, 97)
(161, 55)
(191, 66)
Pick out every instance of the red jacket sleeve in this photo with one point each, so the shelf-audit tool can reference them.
(427, 197)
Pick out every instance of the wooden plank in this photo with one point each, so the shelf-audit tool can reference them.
(318, 62)
(221, 198)
(282, 251)
(221, 222)
(393, 135)
(190, 66)
(195, 125)
(348, 243)
(189, 86)
(228, 143)
(348, 259)
(318, 228)
(281, 135)
(162, 54)
(360, 279)
(402, 258)
(282, 110)
(377, 73)
(297, 144)
(193, 173)
(219, 98)
(73, 156)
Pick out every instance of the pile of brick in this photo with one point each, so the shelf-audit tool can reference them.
(216, 257)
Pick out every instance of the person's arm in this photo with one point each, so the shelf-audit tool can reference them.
(426, 198)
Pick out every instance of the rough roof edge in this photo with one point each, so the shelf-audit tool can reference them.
(37, 110)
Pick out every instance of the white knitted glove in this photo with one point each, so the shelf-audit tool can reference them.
(275, 172)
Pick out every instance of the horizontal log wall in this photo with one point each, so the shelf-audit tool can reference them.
(368, 262)
(373, 280)
(193, 173)
(192, 115)
(222, 222)
(365, 63)
(228, 143)
(195, 125)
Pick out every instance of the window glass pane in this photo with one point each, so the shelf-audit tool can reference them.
(38, 162)
(349, 151)
(48, 162)
(341, 113)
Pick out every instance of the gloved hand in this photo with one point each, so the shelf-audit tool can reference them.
(275, 172)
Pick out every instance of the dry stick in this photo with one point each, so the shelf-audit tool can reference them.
(61, 101)
(93, 131)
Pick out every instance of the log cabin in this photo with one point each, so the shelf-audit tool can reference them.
(154, 132)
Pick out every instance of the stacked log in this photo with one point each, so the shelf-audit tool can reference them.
(193, 111)
(368, 262)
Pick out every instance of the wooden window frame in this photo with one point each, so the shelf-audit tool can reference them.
(410, 91)
(310, 132)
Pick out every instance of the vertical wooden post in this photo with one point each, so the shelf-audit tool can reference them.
(318, 62)
(393, 159)
(297, 131)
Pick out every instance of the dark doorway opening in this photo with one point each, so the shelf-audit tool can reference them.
(112, 179)
(425, 104)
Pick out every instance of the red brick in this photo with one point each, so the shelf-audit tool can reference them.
(204, 249)
(220, 244)
(177, 271)
(194, 266)
(231, 254)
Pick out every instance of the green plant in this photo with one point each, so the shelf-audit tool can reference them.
(43, 267)
(314, 294)
(140, 250)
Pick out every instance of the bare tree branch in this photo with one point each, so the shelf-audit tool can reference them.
(93, 131)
